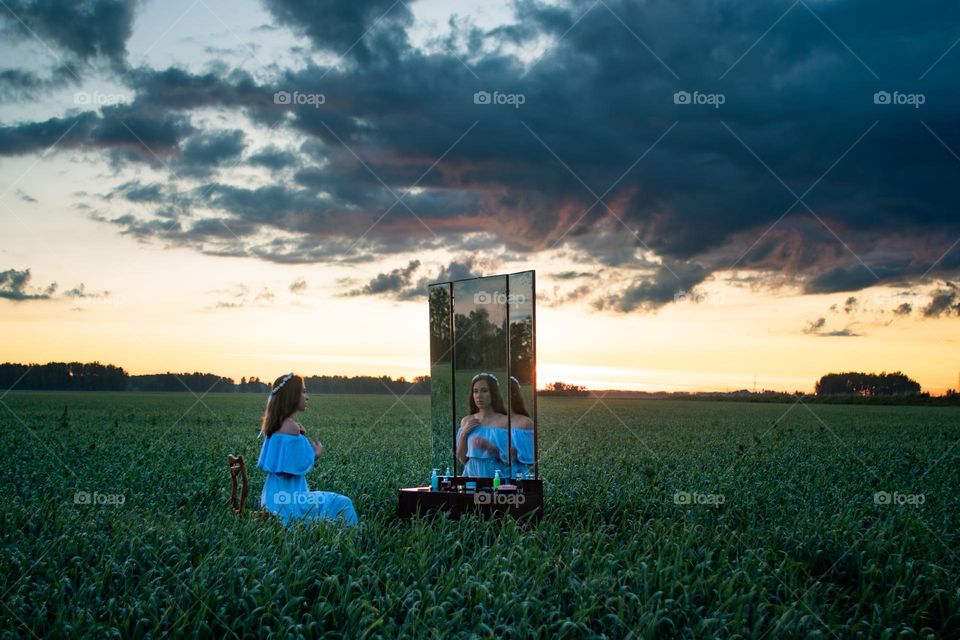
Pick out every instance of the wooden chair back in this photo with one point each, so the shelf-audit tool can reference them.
(238, 476)
(239, 489)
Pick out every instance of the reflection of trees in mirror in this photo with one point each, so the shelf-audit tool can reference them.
(521, 349)
(441, 377)
(441, 414)
(480, 343)
(440, 339)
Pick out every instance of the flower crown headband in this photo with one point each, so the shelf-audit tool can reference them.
(273, 391)
(477, 377)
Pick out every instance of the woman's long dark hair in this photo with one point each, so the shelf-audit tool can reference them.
(517, 405)
(282, 404)
(495, 398)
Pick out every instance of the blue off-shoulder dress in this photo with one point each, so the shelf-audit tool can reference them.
(522, 441)
(484, 464)
(287, 459)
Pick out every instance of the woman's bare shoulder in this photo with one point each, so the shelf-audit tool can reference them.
(290, 427)
(522, 422)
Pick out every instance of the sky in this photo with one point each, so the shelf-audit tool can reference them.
(715, 195)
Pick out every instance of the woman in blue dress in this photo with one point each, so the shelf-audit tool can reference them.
(288, 455)
(482, 437)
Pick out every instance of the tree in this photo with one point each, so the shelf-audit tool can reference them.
(866, 384)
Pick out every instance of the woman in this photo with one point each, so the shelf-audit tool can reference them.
(288, 455)
(482, 436)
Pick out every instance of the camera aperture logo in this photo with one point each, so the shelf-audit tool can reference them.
(896, 98)
(712, 99)
(498, 297)
(86, 497)
(686, 498)
(297, 98)
(100, 99)
(885, 498)
(485, 97)
(499, 498)
(298, 497)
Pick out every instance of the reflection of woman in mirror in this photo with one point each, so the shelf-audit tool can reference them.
(482, 436)
(521, 431)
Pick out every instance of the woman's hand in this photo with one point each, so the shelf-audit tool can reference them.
(485, 445)
(466, 427)
(318, 448)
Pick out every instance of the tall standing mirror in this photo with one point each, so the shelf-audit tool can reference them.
(483, 376)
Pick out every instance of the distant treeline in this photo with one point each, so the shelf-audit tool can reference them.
(64, 376)
(866, 384)
(82, 376)
(564, 390)
(834, 388)
(950, 399)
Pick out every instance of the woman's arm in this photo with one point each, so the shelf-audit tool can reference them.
(466, 426)
(462, 446)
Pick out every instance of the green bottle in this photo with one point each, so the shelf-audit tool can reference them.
(496, 480)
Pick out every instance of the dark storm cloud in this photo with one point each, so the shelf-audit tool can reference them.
(945, 301)
(273, 158)
(13, 286)
(798, 175)
(393, 283)
(20, 84)
(401, 284)
(668, 283)
(358, 30)
(142, 134)
(205, 152)
(816, 328)
(81, 29)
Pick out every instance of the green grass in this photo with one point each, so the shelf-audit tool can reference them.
(798, 547)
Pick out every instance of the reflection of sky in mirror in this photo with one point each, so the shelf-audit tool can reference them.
(482, 293)
(520, 299)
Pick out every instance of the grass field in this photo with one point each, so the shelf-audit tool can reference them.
(664, 519)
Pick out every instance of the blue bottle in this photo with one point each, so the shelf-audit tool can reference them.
(434, 480)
